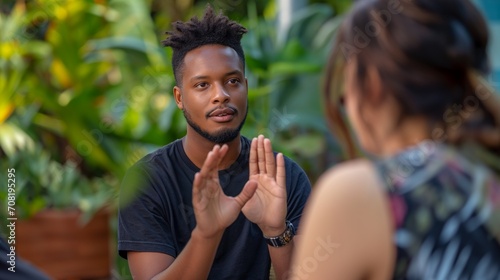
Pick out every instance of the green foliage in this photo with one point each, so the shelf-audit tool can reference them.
(41, 183)
(85, 93)
(339, 6)
(285, 76)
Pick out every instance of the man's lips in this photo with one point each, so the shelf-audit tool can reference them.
(222, 114)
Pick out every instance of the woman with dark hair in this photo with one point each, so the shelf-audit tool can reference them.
(426, 202)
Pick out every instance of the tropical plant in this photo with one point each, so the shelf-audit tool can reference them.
(285, 78)
(87, 81)
(85, 93)
(43, 183)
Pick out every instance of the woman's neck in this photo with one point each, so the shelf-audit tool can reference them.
(410, 132)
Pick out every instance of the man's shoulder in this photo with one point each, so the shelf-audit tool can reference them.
(162, 154)
(295, 174)
(158, 164)
(294, 166)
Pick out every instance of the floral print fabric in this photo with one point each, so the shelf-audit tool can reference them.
(446, 214)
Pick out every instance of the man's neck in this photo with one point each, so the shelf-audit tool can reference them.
(197, 149)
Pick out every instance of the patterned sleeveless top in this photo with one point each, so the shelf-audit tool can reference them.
(446, 212)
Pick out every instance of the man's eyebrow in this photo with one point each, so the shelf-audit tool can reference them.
(235, 72)
(200, 77)
(204, 77)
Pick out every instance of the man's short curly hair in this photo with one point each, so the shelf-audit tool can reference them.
(212, 29)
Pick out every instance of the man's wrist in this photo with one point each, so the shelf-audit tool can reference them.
(198, 234)
(282, 239)
(273, 231)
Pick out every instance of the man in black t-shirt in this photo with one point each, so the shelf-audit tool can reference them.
(213, 204)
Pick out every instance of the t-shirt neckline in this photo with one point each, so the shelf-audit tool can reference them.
(241, 160)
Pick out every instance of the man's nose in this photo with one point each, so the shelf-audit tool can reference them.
(220, 94)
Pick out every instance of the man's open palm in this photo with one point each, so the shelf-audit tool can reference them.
(267, 207)
(214, 211)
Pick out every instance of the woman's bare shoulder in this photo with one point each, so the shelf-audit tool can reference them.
(349, 207)
(352, 176)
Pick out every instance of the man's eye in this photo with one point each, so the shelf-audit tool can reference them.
(201, 85)
(233, 81)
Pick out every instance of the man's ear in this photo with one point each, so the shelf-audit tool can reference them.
(178, 97)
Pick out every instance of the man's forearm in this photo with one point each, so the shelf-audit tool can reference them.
(281, 258)
(195, 260)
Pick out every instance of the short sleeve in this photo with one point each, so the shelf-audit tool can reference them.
(142, 221)
(298, 191)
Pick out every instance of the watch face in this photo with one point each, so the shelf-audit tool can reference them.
(284, 238)
(288, 237)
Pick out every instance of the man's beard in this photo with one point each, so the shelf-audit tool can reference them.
(225, 135)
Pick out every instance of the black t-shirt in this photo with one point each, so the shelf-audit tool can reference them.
(161, 217)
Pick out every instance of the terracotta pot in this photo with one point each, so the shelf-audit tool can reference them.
(57, 243)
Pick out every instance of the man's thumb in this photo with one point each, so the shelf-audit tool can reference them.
(247, 192)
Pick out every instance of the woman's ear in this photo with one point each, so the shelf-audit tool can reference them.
(178, 97)
(375, 86)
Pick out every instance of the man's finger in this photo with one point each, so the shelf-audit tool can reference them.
(261, 157)
(281, 171)
(214, 157)
(210, 163)
(269, 158)
(223, 151)
(197, 187)
(253, 166)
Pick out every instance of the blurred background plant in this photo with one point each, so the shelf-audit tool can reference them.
(85, 80)
(43, 183)
(84, 94)
(285, 78)
(86, 90)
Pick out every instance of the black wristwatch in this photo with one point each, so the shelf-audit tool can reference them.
(284, 238)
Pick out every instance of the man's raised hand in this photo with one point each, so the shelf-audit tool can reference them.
(215, 211)
(267, 207)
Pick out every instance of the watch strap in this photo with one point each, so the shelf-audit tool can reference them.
(284, 238)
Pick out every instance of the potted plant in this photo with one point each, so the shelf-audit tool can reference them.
(62, 224)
